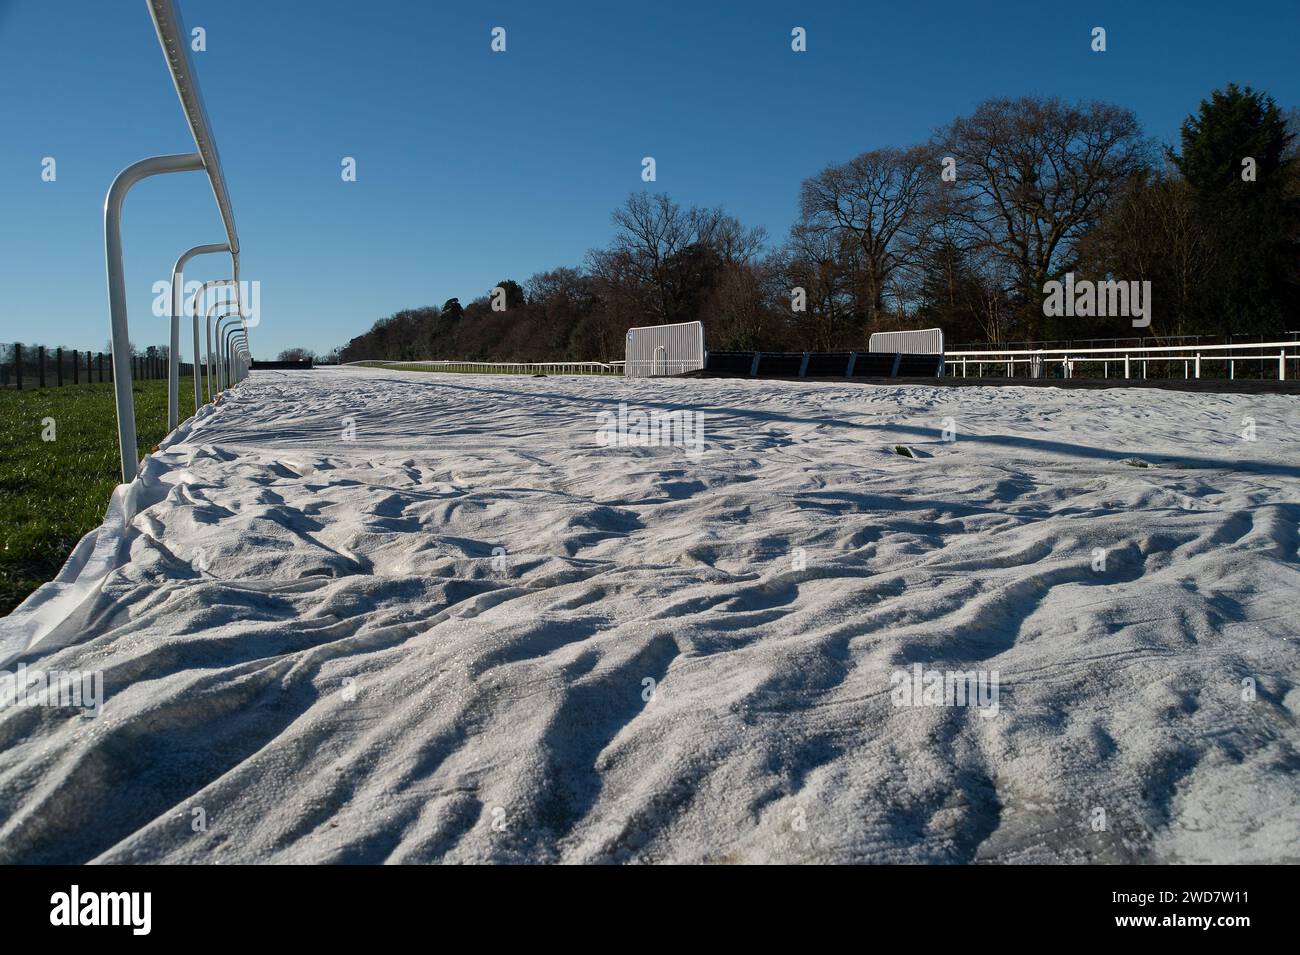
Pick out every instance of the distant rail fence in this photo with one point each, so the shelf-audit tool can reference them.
(916, 355)
(503, 367)
(38, 366)
(1190, 360)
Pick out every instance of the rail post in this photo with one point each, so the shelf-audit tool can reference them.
(222, 370)
(174, 364)
(197, 303)
(119, 326)
(212, 356)
(228, 354)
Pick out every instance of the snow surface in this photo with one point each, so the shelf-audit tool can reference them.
(308, 639)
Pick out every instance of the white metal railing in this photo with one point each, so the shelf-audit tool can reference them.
(500, 367)
(1193, 357)
(658, 365)
(174, 39)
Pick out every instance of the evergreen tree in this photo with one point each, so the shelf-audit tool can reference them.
(1235, 159)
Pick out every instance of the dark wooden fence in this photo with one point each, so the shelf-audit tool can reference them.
(36, 366)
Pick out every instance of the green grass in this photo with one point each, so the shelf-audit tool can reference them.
(53, 492)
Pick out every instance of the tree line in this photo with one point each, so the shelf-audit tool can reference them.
(963, 232)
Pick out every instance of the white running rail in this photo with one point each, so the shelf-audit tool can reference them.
(1127, 360)
(501, 367)
(174, 40)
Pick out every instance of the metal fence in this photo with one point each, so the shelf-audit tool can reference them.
(232, 364)
(25, 367)
(501, 367)
(1188, 361)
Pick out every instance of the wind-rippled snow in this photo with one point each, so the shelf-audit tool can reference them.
(319, 643)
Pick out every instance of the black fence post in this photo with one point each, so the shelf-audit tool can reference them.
(58, 364)
(40, 366)
(101, 367)
(76, 369)
(90, 368)
(18, 366)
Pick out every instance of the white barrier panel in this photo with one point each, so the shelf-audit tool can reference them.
(921, 341)
(664, 350)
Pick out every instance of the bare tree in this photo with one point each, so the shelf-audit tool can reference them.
(1035, 174)
(662, 255)
(823, 264)
(876, 199)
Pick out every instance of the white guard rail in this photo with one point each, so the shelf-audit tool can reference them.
(1128, 360)
(500, 367)
(174, 39)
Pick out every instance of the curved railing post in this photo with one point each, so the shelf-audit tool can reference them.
(239, 343)
(120, 331)
(198, 378)
(222, 381)
(174, 365)
(212, 356)
(230, 368)
(241, 346)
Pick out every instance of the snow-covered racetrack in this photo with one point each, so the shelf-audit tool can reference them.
(312, 641)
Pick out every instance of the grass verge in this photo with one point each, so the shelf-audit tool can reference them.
(53, 492)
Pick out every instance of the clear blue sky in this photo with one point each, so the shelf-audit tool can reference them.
(475, 167)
